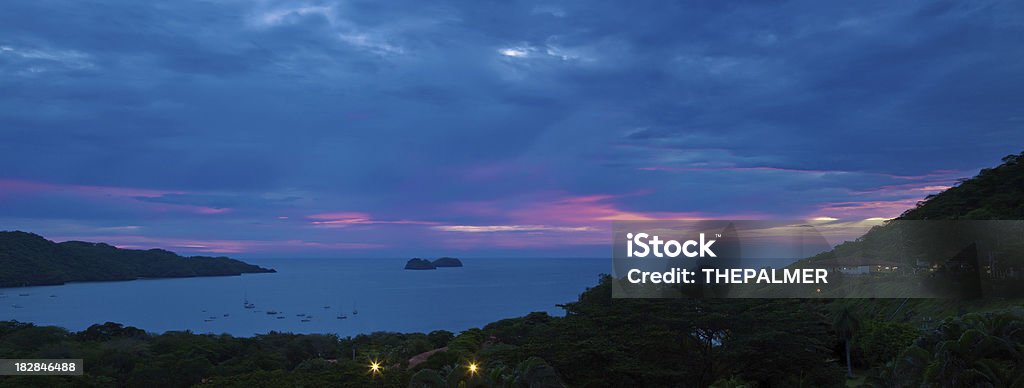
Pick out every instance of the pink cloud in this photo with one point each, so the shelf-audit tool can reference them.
(915, 189)
(947, 175)
(343, 219)
(218, 246)
(755, 168)
(523, 240)
(510, 228)
(183, 208)
(860, 210)
(32, 187)
(122, 195)
(349, 217)
(552, 220)
(587, 210)
(211, 210)
(582, 212)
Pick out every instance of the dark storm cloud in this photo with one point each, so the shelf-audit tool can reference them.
(249, 117)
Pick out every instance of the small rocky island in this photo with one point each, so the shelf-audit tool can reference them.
(421, 264)
(447, 262)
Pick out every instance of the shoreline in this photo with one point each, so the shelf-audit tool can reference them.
(269, 271)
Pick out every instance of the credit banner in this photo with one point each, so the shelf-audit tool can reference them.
(797, 259)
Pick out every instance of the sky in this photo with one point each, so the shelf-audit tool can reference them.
(487, 128)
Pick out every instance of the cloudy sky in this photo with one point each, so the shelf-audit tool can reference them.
(487, 128)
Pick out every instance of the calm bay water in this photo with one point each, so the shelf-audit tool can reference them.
(387, 297)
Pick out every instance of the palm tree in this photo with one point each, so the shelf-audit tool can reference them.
(986, 353)
(975, 350)
(846, 325)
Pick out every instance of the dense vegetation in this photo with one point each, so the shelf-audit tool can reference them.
(964, 241)
(946, 343)
(29, 260)
(976, 350)
(994, 194)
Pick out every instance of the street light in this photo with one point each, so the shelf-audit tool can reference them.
(375, 368)
(473, 368)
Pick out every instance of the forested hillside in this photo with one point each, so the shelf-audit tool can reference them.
(28, 259)
(994, 194)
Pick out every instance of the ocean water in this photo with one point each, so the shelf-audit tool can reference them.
(387, 297)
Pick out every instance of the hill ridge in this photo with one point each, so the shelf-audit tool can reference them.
(29, 259)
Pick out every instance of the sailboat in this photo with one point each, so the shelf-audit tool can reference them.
(247, 304)
(354, 311)
(341, 315)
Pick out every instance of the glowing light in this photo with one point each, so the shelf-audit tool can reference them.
(473, 368)
(375, 368)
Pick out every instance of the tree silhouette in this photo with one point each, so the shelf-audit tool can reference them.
(846, 325)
